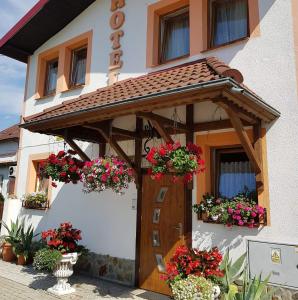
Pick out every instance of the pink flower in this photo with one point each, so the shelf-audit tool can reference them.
(230, 210)
(240, 223)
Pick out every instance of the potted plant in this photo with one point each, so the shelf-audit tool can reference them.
(63, 167)
(23, 248)
(185, 265)
(13, 237)
(175, 159)
(65, 240)
(46, 259)
(36, 200)
(106, 173)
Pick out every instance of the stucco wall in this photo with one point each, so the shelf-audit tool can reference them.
(267, 63)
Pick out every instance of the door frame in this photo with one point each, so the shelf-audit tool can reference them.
(187, 222)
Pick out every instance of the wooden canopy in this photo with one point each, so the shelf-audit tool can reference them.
(90, 117)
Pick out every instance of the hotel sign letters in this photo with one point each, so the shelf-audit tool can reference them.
(116, 22)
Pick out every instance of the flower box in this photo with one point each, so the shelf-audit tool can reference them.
(237, 211)
(37, 201)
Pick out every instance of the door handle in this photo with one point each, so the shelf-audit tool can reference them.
(179, 227)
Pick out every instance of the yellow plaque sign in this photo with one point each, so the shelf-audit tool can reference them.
(276, 255)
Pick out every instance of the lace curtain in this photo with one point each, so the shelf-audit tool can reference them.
(235, 177)
(79, 67)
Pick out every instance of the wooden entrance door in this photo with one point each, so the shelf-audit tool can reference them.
(161, 229)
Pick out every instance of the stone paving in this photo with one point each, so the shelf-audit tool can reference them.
(17, 282)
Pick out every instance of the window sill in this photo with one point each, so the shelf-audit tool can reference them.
(46, 96)
(75, 87)
(168, 62)
(245, 39)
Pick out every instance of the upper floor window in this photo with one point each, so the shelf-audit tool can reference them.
(228, 21)
(78, 66)
(174, 35)
(51, 77)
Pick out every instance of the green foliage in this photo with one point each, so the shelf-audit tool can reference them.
(2, 199)
(24, 246)
(232, 270)
(46, 259)
(191, 288)
(35, 200)
(14, 231)
(254, 289)
(250, 289)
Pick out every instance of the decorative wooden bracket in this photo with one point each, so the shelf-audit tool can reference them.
(75, 147)
(158, 123)
(105, 130)
(245, 141)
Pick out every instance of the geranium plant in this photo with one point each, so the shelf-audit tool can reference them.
(173, 158)
(239, 210)
(106, 173)
(64, 239)
(201, 263)
(63, 167)
(36, 200)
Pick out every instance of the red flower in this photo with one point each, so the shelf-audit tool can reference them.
(162, 151)
(63, 174)
(53, 184)
(61, 153)
(158, 176)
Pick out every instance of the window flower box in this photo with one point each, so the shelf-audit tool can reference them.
(237, 211)
(38, 201)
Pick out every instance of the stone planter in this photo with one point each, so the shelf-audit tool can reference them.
(63, 270)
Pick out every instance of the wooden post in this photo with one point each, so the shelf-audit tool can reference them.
(139, 185)
(188, 190)
(75, 147)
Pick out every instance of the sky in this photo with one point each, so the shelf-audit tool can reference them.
(12, 72)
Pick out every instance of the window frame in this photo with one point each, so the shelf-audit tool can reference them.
(215, 153)
(211, 21)
(161, 45)
(73, 52)
(37, 179)
(47, 93)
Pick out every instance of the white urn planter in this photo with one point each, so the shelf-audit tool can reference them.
(62, 271)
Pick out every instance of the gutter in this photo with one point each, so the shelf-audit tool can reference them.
(195, 87)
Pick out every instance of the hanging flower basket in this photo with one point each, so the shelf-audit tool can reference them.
(106, 173)
(63, 167)
(175, 159)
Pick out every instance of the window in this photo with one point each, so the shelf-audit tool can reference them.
(51, 77)
(78, 66)
(228, 21)
(41, 184)
(174, 35)
(233, 173)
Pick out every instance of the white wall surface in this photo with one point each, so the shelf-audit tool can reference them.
(267, 63)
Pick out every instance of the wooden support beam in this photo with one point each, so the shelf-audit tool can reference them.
(105, 128)
(102, 149)
(244, 139)
(162, 131)
(162, 120)
(188, 188)
(216, 125)
(224, 103)
(257, 133)
(138, 154)
(76, 148)
(124, 133)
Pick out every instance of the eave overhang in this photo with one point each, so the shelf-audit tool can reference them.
(39, 24)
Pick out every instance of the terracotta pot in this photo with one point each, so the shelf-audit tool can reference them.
(7, 253)
(21, 260)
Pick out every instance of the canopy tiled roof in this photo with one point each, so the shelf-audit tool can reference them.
(10, 133)
(204, 70)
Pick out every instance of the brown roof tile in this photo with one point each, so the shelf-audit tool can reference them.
(201, 71)
(10, 133)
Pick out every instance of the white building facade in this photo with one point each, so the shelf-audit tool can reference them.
(268, 60)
